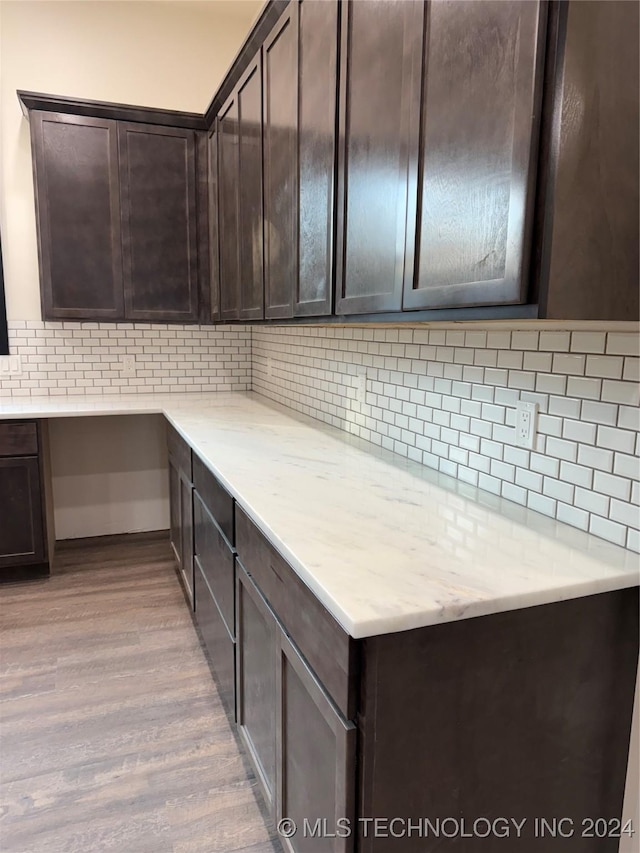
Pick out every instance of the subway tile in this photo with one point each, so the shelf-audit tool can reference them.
(541, 503)
(609, 530)
(585, 388)
(609, 484)
(562, 449)
(627, 466)
(579, 475)
(490, 484)
(529, 479)
(499, 340)
(486, 358)
(524, 340)
(538, 362)
(571, 515)
(633, 540)
(493, 413)
(599, 413)
(467, 475)
(510, 359)
(591, 501)
(493, 376)
(521, 379)
(604, 366)
(558, 490)
(625, 513)
(551, 384)
(514, 493)
(479, 462)
(554, 341)
(623, 343)
(588, 342)
(569, 363)
(626, 393)
(475, 339)
(503, 470)
(550, 425)
(579, 431)
(616, 439)
(565, 407)
(631, 372)
(516, 456)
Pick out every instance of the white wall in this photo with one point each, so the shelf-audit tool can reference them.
(118, 467)
(157, 54)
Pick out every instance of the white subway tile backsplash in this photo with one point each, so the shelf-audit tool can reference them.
(606, 529)
(471, 382)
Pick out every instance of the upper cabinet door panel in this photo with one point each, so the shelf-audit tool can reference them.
(280, 164)
(380, 103)
(317, 98)
(250, 192)
(159, 235)
(214, 245)
(479, 115)
(78, 211)
(228, 210)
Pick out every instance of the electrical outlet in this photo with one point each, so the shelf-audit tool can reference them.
(128, 365)
(526, 424)
(361, 387)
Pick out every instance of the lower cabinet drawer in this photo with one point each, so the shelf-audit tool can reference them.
(216, 561)
(18, 439)
(220, 646)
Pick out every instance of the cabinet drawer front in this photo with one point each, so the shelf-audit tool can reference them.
(220, 646)
(180, 451)
(330, 651)
(215, 498)
(18, 439)
(216, 562)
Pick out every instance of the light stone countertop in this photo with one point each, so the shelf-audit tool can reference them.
(386, 544)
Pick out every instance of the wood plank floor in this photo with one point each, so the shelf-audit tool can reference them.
(112, 735)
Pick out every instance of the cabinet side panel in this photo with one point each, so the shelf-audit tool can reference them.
(521, 714)
(590, 258)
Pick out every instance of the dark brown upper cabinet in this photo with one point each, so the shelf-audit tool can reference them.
(159, 238)
(280, 119)
(214, 243)
(250, 224)
(228, 210)
(75, 162)
(299, 115)
(381, 60)
(317, 103)
(121, 226)
(480, 96)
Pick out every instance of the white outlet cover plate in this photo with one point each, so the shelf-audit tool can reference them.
(526, 424)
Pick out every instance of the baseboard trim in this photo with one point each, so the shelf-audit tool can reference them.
(111, 539)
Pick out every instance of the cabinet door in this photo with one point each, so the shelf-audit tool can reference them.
(75, 162)
(316, 753)
(21, 525)
(159, 228)
(250, 192)
(256, 682)
(214, 245)
(175, 511)
(381, 57)
(186, 536)
(479, 117)
(281, 165)
(228, 210)
(317, 101)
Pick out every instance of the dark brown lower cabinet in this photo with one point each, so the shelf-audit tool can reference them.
(181, 508)
(23, 541)
(316, 750)
(256, 682)
(217, 640)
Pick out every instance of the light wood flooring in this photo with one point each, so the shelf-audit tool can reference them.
(112, 734)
